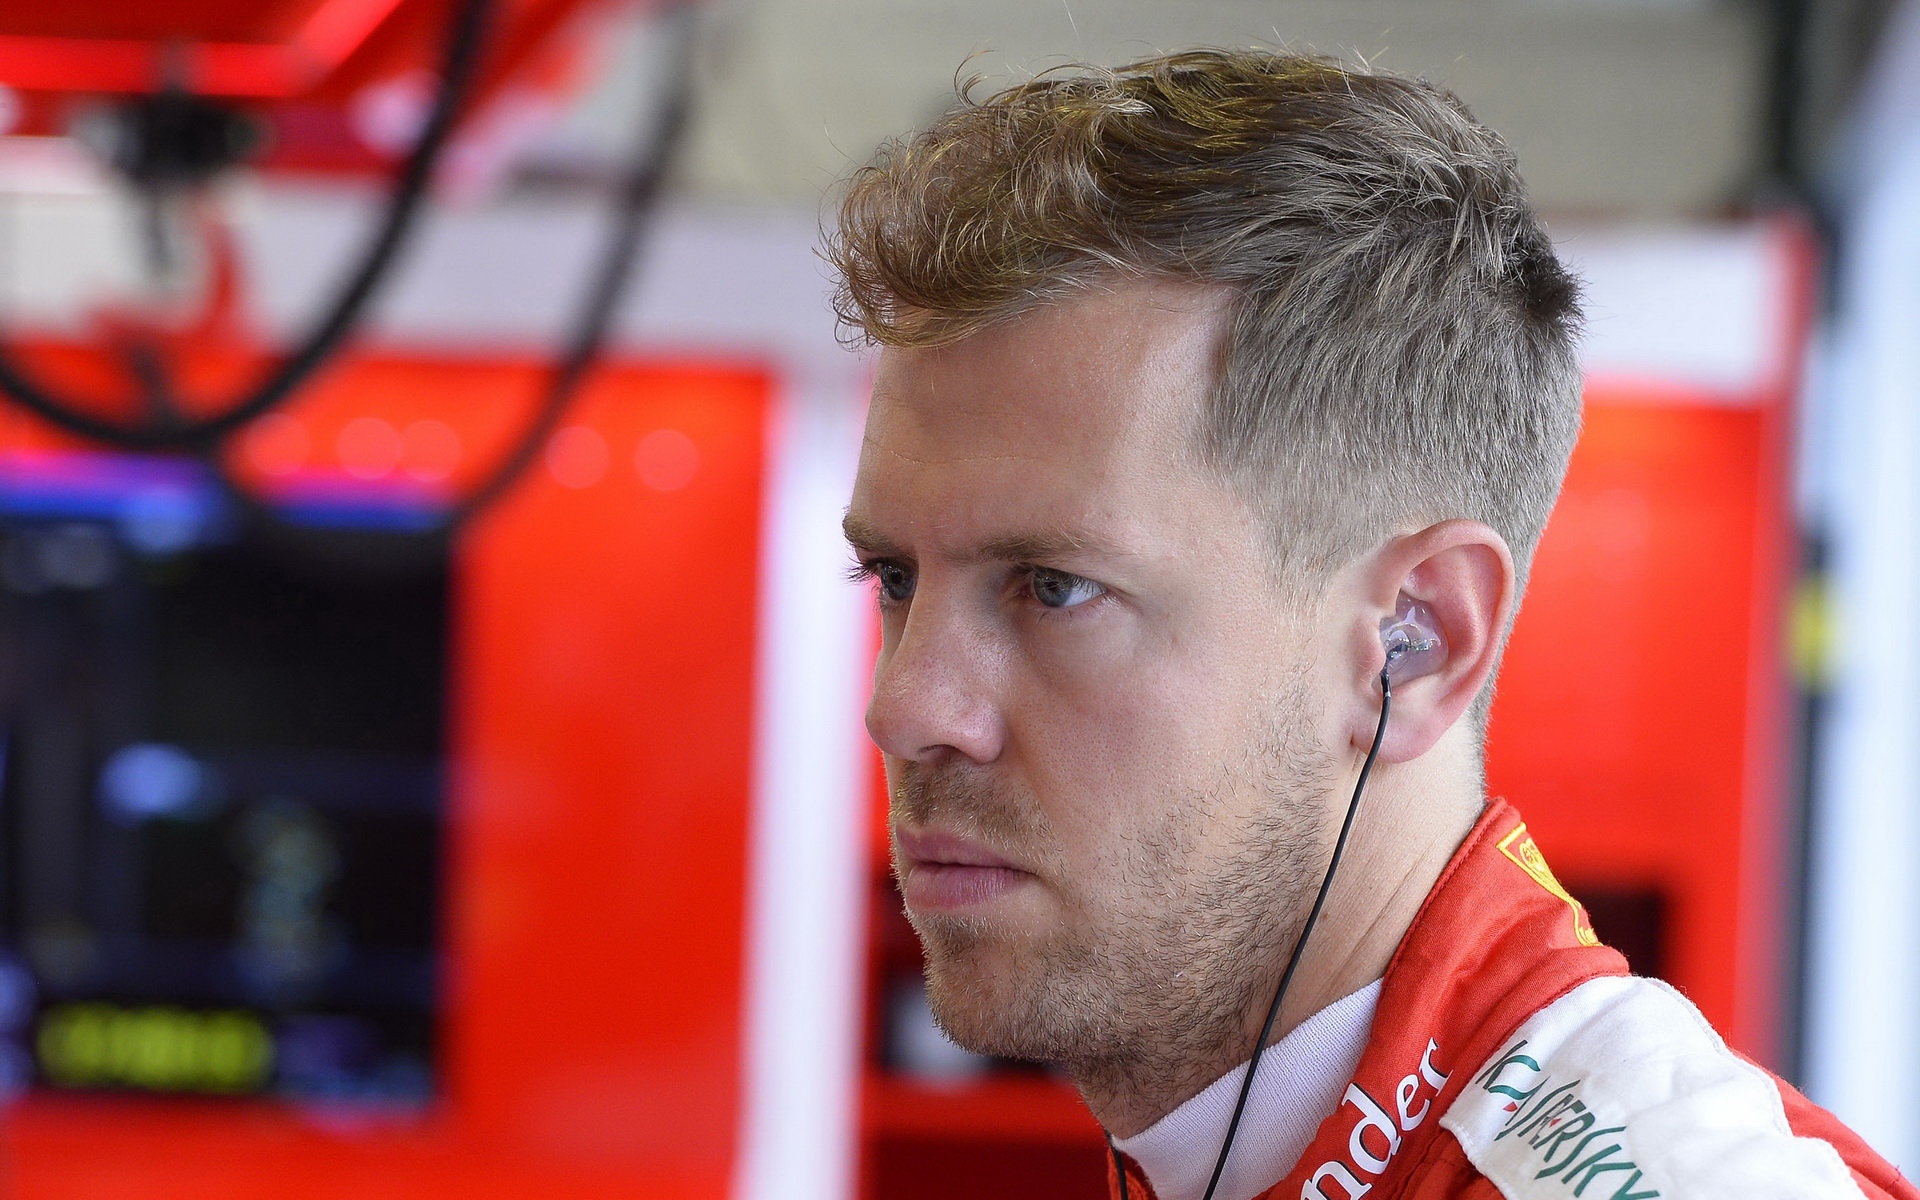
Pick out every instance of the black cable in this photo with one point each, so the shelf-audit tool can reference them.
(458, 68)
(1783, 131)
(639, 191)
(1293, 960)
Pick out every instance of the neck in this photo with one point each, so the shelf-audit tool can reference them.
(1411, 819)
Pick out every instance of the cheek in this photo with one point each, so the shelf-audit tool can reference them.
(1112, 736)
(1135, 690)
(1098, 702)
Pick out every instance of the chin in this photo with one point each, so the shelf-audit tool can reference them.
(976, 1019)
(990, 1001)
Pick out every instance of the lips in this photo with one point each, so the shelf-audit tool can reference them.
(944, 849)
(945, 872)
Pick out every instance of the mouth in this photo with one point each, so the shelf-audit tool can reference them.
(942, 872)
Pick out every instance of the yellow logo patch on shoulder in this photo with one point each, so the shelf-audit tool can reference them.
(1519, 848)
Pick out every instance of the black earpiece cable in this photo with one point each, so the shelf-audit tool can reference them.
(1293, 960)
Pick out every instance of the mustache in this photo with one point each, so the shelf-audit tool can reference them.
(964, 801)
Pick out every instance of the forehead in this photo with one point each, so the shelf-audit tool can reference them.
(1098, 391)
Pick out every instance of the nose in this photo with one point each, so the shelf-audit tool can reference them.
(934, 688)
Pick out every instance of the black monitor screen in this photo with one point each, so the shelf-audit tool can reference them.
(220, 792)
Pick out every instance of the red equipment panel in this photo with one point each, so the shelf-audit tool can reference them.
(302, 63)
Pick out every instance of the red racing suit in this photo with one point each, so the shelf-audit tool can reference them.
(1512, 1055)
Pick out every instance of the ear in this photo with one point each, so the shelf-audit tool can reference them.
(1460, 574)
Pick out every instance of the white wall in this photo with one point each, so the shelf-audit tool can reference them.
(1863, 1035)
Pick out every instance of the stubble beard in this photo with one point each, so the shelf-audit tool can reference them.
(1163, 990)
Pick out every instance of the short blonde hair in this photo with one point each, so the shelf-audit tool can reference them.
(1402, 347)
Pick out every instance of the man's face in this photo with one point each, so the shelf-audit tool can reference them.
(1097, 712)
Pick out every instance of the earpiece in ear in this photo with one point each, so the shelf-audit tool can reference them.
(1412, 640)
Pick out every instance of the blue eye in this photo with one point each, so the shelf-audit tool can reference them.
(896, 582)
(1058, 589)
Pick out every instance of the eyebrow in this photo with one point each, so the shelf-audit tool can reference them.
(1037, 546)
(864, 536)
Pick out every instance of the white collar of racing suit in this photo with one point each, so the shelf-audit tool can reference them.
(1299, 1084)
